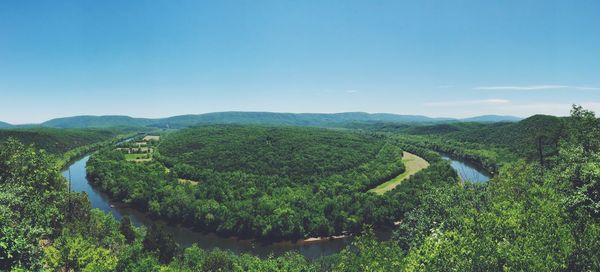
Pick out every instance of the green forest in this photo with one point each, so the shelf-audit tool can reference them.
(58, 141)
(539, 212)
(260, 182)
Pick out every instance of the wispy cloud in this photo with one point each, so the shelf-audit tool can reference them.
(536, 88)
(492, 101)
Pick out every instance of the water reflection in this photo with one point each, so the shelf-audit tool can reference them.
(467, 171)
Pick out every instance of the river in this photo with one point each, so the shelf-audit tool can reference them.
(186, 236)
(467, 171)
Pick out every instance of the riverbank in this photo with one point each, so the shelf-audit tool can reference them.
(75, 154)
(311, 248)
(186, 236)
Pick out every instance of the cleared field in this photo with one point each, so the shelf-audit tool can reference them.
(183, 181)
(413, 165)
(138, 157)
(151, 138)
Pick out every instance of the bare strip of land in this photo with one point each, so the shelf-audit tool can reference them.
(184, 181)
(413, 164)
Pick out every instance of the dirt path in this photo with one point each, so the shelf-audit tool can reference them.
(413, 164)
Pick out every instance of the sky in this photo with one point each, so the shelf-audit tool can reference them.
(160, 58)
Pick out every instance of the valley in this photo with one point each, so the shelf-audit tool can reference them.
(299, 136)
(302, 196)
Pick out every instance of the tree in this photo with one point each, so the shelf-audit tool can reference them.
(127, 230)
(75, 253)
(159, 241)
(32, 195)
(218, 260)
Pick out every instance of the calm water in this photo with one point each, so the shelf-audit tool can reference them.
(186, 236)
(467, 171)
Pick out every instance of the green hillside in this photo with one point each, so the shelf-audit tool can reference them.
(260, 118)
(57, 141)
(4, 125)
(292, 152)
(96, 122)
(527, 138)
(522, 138)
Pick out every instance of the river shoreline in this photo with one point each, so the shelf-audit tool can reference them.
(311, 247)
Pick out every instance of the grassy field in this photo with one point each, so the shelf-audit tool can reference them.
(183, 181)
(413, 165)
(138, 157)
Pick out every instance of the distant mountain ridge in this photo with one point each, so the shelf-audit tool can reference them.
(492, 119)
(266, 118)
(87, 121)
(5, 125)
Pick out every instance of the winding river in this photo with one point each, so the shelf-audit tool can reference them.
(186, 236)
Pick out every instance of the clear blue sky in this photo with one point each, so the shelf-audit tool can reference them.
(160, 58)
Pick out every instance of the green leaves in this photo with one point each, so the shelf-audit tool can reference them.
(30, 200)
(78, 254)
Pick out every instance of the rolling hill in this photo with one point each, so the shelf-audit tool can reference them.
(88, 121)
(264, 118)
(5, 125)
(57, 141)
(491, 119)
(521, 137)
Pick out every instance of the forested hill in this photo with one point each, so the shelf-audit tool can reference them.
(264, 118)
(263, 182)
(523, 137)
(57, 141)
(299, 119)
(96, 121)
(4, 125)
(492, 119)
(288, 151)
(519, 136)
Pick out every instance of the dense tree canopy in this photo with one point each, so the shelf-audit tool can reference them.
(297, 153)
(58, 141)
(266, 182)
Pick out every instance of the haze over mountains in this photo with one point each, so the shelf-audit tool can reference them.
(301, 119)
